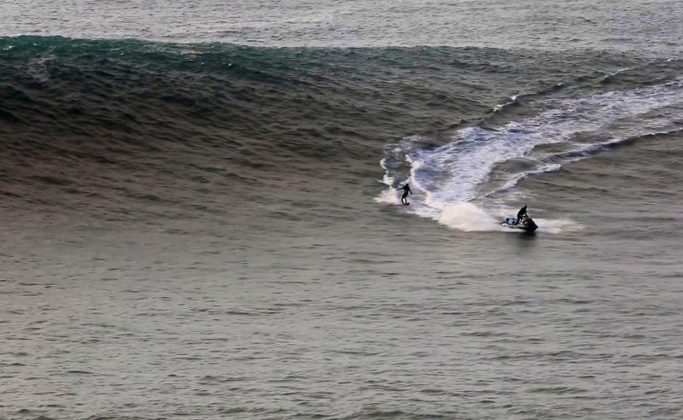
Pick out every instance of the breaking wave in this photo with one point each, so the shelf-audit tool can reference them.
(466, 182)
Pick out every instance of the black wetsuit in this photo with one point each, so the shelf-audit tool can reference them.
(406, 191)
(521, 214)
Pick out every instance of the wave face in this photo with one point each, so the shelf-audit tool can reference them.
(144, 126)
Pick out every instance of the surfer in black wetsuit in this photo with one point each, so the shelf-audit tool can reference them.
(406, 191)
(521, 214)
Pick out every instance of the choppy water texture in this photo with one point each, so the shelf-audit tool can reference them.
(211, 230)
(649, 26)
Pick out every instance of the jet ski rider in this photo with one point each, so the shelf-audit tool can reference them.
(521, 215)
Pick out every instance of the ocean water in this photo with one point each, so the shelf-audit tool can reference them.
(200, 217)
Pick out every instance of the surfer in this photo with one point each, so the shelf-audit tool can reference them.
(521, 214)
(406, 191)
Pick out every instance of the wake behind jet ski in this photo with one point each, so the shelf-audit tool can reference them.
(522, 222)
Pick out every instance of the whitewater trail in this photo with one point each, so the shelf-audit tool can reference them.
(448, 180)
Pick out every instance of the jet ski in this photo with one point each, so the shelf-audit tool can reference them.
(525, 223)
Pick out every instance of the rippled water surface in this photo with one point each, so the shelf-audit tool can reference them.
(212, 230)
(649, 26)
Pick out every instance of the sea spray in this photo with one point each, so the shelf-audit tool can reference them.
(468, 217)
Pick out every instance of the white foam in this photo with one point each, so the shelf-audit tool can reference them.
(468, 217)
(449, 178)
(388, 196)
